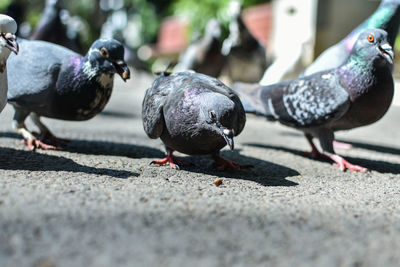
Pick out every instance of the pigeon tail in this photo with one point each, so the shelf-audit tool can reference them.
(250, 96)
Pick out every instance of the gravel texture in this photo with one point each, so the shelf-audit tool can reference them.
(99, 203)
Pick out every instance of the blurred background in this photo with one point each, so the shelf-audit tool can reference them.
(158, 32)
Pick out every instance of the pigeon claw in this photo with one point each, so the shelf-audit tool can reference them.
(223, 164)
(173, 162)
(35, 143)
(51, 139)
(344, 164)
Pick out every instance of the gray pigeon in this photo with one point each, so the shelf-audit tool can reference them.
(355, 94)
(8, 44)
(386, 17)
(194, 114)
(52, 81)
(204, 56)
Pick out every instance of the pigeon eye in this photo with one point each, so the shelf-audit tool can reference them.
(370, 38)
(212, 115)
(104, 52)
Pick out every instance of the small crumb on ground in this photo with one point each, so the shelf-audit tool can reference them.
(218, 182)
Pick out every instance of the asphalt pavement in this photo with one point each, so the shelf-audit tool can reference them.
(100, 203)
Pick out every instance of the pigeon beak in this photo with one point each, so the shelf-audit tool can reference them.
(387, 52)
(11, 43)
(228, 136)
(122, 69)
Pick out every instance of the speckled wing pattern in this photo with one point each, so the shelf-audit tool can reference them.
(307, 102)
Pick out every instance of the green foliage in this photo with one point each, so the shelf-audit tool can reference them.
(198, 13)
(4, 4)
(150, 20)
(149, 12)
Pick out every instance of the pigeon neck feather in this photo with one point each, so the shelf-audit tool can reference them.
(357, 75)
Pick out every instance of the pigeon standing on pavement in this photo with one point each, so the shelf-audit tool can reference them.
(8, 44)
(193, 114)
(52, 81)
(386, 17)
(51, 28)
(355, 94)
(204, 56)
(242, 50)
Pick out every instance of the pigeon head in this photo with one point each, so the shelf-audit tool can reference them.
(8, 40)
(107, 56)
(373, 45)
(218, 113)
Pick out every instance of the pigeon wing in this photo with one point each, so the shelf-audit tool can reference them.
(153, 105)
(307, 102)
(34, 72)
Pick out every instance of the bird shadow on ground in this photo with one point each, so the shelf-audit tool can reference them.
(112, 149)
(355, 144)
(374, 147)
(107, 148)
(263, 172)
(374, 165)
(117, 114)
(12, 159)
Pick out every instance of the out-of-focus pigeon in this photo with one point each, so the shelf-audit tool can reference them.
(242, 50)
(52, 81)
(194, 114)
(386, 17)
(52, 29)
(355, 94)
(204, 56)
(8, 44)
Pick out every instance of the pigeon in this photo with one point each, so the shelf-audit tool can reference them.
(194, 114)
(52, 29)
(8, 44)
(242, 50)
(204, 56)
(355, 94)
(386, 17)
(52, 81)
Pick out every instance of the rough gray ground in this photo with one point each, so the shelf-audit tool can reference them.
(99, 203)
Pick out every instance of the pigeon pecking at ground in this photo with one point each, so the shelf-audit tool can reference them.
(204, 56)
(355, 94)
(8, 44)
(386, 17)
(52, 81)
(193, 114)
